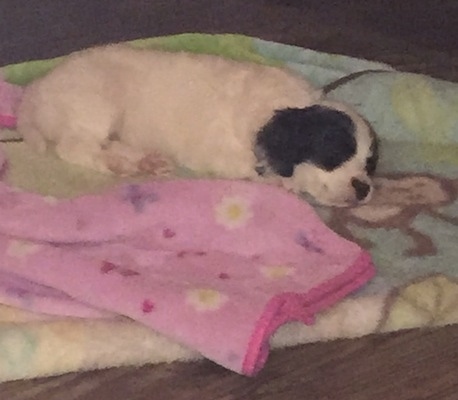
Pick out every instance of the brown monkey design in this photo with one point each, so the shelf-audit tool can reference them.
(397, 201)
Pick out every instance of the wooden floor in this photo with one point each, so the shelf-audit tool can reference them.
(411, 365)
(415, 35)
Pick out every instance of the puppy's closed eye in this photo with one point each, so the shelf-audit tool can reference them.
(372, 160)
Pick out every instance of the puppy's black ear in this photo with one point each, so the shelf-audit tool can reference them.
(264, 164)
(285, 169)
(275, 141)
(319, 135)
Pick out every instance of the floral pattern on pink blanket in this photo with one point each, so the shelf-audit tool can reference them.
(216, 265)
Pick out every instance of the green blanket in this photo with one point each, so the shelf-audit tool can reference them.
(411, 226)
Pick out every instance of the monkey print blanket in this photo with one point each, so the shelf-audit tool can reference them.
(410, 228)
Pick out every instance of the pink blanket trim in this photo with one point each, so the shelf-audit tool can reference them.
(317, 299)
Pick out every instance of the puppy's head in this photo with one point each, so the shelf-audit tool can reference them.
(326, 150)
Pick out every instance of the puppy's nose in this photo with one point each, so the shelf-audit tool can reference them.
(362, 189)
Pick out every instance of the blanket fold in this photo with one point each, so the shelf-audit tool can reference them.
(209, 263)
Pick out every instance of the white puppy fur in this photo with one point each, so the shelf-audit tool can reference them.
(116, 108)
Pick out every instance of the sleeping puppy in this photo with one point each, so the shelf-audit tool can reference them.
(126, 110)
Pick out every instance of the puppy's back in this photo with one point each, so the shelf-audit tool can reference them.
(185, 105)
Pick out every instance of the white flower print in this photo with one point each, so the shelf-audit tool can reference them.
(233, 212)
(205, 299)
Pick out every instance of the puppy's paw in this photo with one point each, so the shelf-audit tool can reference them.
(156, 164)
(120, 165)
(124, 160)
(121, 159)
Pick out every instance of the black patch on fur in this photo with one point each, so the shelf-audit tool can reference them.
(318, 135)
(372, 160)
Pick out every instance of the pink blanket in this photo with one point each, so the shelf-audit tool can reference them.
(215, 265)
(10, 96)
